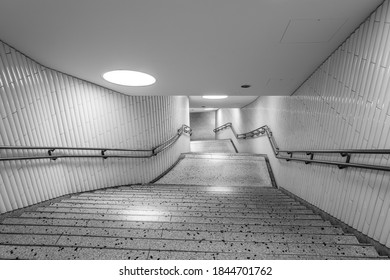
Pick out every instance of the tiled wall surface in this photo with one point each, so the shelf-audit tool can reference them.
(41, 107)
(344, 104)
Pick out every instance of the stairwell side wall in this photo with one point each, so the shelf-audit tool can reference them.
(344, 104)
(42, 107)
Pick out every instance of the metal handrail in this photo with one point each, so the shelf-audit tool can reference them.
(50, 150)
(345, 153)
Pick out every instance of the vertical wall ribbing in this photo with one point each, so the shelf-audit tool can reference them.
(344, 104)
(42, 107)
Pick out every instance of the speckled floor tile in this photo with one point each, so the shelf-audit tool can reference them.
(193, 171)
(218, 246)
(192, 235)
(96, 216)
(212, 146)
(72, 210)
(125, 224)
(242, 256)
(22, 239)
(247, 228)
(246, 221)
(307, 229)
(175, 255)
(68, 253)
(193, 199)
(183, 209)
(216, 189)
(81, 231)
(49, 222)
(333, 249)
(122, 203)
(190, 192)
(125, 211)
(105, 242)
(189, 197)
(291, 238)
(295, 209)
(271, 205)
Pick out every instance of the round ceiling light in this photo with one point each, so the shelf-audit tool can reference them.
(214, 96)
(129, 78)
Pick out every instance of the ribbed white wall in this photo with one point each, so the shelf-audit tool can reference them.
(42, 107)
(344, 104)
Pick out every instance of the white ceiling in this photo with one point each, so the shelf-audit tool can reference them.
(192, 47)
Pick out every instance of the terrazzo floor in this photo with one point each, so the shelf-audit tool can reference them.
(212, 146)
(219, 170)
(240, 216)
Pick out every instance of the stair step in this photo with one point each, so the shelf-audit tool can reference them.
(68, 253)
(201, 189)
(327, 229)
(128, 212)
(186, 198)
(74, 253)
(175, 255)
(139, 194)
(81, 231)
(187, 204)
(190, 245)
(292, 210)
(179, 234)
(177, 219)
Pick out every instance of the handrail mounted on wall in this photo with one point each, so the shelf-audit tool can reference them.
(288, 155)
(130, 153)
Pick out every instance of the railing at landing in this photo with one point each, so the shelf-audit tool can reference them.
(102, 152)
(309, 155)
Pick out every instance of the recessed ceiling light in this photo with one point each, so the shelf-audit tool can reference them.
(129, 78)
(214, 96)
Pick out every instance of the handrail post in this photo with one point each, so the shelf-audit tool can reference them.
(311, 158)
(102, 153)
(346, 161)
(50, 151)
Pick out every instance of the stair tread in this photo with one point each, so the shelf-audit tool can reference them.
(180, 234)
(189, 245)
(327, 229)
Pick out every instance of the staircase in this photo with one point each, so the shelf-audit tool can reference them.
(209, 206)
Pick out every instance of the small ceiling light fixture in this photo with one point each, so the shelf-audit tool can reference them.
(129, 78)
(214, 96)
(246, 86)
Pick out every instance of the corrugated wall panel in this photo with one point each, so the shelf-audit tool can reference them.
(344, 104)
(42, 107)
